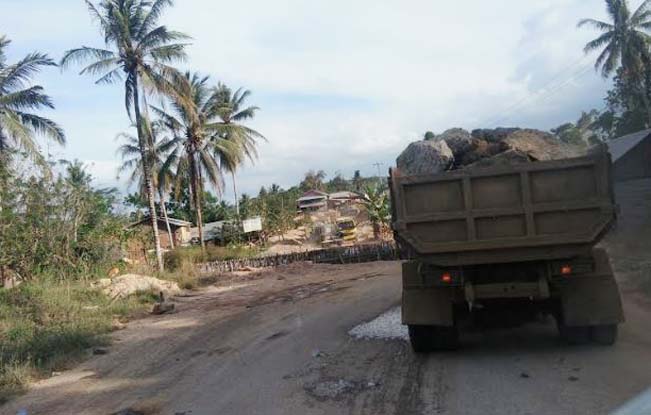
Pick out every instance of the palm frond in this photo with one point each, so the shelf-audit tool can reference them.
(597, 24)
(22, 135)
(598, 42)
(85, 54)
(641, 14)
(111, 77)
(43, 126)
(20, 73)
(153, 15)
(26, 99)
(101, 66)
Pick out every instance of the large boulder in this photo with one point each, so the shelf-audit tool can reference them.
(458, 139)
(480, 149)
(505, 159)
(425, 157)
(493, 135)
(539, 145)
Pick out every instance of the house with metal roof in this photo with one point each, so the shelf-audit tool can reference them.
(631, 155)
(180, 230)
(312, 200)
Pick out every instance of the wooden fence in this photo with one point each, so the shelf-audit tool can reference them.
(385, 251)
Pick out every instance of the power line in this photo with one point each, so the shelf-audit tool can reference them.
(378, 165)
(547, 88)
(546, 95)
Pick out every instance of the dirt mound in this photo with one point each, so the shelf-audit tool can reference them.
(129, 284)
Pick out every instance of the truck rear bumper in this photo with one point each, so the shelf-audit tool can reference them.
(590, 299)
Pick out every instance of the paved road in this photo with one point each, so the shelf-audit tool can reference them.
(290, 352)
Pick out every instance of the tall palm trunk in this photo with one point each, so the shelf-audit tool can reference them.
(146, 172)
(163, 208)
(196, 193)
(237, 202)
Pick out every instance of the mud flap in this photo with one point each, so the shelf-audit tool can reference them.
(421, 305)
(592, 300)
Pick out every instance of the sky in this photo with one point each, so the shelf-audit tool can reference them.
(342, 85)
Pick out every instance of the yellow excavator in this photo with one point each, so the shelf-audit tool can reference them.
(347, 229)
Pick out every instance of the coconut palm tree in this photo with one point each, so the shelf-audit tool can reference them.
(196, 147)
(138, 51)
(162, 177)
(18, 98)
(624, 43)
(232, 111)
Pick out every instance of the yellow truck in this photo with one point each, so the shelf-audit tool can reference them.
(347, 229)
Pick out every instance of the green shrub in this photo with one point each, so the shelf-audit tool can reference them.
(186, 258)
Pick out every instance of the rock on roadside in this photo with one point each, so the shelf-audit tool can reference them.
(128, 284)
(425, 157)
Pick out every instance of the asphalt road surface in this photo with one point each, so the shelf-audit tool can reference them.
(278, 343)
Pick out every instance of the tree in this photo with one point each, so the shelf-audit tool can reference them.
(624, 43)
(313, 180)
(584, 132)
(376, 201)
(428, 136)
(338, 183)
(274, 189)
(139, 50)
(161, 175)
(18, 125)
(357, 180)
(194, 126)
(232, 111)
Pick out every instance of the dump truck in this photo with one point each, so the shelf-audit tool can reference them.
(505, 245)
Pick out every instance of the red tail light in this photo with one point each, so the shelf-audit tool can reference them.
(566, 270)
(446, 277)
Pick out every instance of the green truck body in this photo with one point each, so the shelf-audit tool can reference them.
(499, 242)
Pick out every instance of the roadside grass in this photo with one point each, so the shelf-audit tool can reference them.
(46, 326)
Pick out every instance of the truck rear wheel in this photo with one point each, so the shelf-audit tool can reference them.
(605, 335)
(574, 334)
(425, 339)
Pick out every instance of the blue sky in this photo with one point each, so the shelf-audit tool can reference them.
(342, 85)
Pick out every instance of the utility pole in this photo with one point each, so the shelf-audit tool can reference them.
(378, 165)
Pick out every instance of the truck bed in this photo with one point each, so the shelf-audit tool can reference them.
(531, 211)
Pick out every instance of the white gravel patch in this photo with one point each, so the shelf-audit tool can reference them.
(386, 326)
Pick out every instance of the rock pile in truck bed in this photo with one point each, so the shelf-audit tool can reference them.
(458, 149)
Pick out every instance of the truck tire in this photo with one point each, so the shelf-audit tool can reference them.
(574, 334)
(605, 335)
(425, 339)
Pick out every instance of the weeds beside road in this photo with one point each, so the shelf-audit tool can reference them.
(46, 326)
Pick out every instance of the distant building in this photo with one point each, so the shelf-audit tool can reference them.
(341, 198)
(312, 201)
(217, 231)
(180, 231)
(315, 200)
(631, 156)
